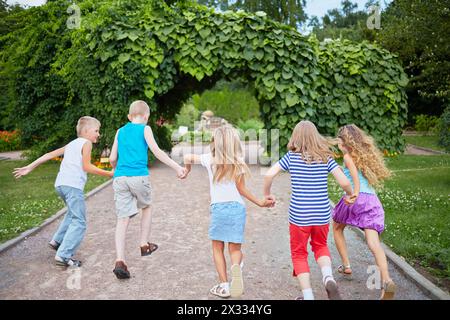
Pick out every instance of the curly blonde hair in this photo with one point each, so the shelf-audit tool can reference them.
(305, 139)
(365, 154)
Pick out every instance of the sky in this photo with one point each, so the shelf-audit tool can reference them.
(313, 7)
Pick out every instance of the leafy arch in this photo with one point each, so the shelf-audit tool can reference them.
(140, 49)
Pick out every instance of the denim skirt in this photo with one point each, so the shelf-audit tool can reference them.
(227, 222)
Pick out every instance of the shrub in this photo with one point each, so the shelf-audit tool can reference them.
(10, 140)
(444, 134)
(187, 116)
(426, 123)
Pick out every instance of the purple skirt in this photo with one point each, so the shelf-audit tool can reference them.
(366, 213)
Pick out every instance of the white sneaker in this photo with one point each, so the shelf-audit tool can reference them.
(237, 283)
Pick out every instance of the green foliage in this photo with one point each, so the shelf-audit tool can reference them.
(347, 23)
(444, 134)
(188, 116)
(250, 124)
(225, 98)
(199, 136)
(417, 31)
(426, 123)
(140, 49)
(289, 12)
(360, 84)
(10, 141)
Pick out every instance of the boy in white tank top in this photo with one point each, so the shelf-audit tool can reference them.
(69, 185)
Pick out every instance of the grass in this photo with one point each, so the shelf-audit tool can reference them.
(27, 202)
(430, 142)
(417, 209)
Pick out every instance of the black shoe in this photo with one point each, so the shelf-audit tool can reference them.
(121, 270)
(67, 262)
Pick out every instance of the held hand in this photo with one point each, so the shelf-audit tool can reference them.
(181, 173)
(19, 172)
(187, 170)
(348, 200)
(269, 201)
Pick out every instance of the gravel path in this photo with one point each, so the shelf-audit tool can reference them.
(182, 267)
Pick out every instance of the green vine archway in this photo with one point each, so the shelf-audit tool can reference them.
(141, 49)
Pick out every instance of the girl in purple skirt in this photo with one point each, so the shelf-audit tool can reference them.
(364, 167)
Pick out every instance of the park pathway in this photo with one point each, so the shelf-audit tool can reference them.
(182, 267)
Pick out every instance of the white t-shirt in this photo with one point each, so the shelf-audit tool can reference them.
(71, 171)
(223, 191)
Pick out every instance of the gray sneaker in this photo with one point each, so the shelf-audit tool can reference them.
(332, 290)
(67, 262)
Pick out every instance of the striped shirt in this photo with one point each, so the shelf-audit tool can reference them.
(309, 204)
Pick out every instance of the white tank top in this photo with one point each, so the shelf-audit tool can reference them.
(71, 171)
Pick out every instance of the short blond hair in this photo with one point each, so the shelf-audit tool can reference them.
(86, 122)
(139, 108)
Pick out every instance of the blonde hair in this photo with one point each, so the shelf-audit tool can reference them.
(305, 139)
(365, 154)
(86, 122)
(227, 160)
(139, 108)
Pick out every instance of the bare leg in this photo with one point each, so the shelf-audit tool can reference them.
(304, 280)
(121, 231)
(146, 220)
(373, 241)
(219, 260)
(339, 239)
(235, 252)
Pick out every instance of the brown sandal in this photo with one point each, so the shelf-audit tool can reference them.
(148, 249)
(388, 290)
(345, 270)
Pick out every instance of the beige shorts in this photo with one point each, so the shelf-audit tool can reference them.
(131, 194)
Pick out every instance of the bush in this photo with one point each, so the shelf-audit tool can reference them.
(426, 123)
(199, 136)
(444, 135)
(187, 116)
(229, 100)
(249, 127)
(10, 140)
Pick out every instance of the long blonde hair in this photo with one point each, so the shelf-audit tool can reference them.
(305, 139)
(227, 161)
(365, 154)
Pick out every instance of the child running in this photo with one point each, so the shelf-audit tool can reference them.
(364, 166)
(309, 161)
(69, 184)
(227, 172)
(132, 189)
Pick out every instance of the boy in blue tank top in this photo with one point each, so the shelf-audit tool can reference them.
(132, 190)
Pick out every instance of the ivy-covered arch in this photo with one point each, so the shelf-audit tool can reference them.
(141, 49)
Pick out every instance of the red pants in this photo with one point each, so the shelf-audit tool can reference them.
(299, 242)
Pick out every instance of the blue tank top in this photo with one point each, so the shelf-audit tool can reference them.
(364, 185)
(132, 151)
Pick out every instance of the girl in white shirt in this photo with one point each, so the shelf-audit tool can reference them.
(227, 172)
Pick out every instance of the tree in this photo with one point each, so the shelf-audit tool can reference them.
(289, 12)
(418, 31)
(346, 22)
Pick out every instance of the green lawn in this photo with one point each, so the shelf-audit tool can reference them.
(417, 207)
(430, 142)
(27, 202)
